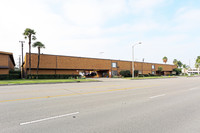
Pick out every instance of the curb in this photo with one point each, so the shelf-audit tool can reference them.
(48, 83)
(154, 78)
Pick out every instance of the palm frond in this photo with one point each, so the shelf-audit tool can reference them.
(34, 38)
(38, 44)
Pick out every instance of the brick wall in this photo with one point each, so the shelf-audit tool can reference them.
(6, 64)
(4, 71)
(4, 60)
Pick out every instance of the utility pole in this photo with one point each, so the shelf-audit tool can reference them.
(22, 74)
(142, 65)
(19, 62)
(133, 57)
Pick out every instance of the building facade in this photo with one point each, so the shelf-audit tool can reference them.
(6, 62)
(191, 71)
(58, 64)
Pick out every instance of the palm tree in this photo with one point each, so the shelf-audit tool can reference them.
(175, 62)
(197, 62)
(165, 59)
(179, 64)
(30, 34)
(185, 66)
(39, 45)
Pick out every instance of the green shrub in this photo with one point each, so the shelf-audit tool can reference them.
(146, 75)
(140, 75)
(136, 72)
(151, 75)
(9, 76)
(177, 70)
(4, 77)
(14, 72)
(53, 76)
(125, 73)
(14, 76)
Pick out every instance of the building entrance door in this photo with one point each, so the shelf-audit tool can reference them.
(114, 73)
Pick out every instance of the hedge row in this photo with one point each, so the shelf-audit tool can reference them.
(127, 73)
(52, 76)
(9, 76)
(146, 75)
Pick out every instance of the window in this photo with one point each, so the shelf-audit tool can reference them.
(153, 66)
(139, 72)
(114, 64)
(114, 73)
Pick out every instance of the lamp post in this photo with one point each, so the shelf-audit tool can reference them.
(133, 57)
(22, 74)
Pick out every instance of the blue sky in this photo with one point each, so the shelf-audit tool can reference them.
(88, 28)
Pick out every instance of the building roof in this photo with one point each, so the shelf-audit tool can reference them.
(10, 55)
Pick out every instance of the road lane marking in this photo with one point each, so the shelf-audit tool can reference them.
(48, 118)
(157, 96)
(48, 90)
(72, 94)
(193, 89)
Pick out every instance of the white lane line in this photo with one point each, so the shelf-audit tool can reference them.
(193, 89)
(157, 96)
(49, 118)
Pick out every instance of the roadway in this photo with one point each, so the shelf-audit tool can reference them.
(110, 106)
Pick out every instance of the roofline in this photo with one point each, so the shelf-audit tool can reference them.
(10, 54)
(7, 53)
(104, 59)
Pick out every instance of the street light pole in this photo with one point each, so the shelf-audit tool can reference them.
(133, 58)
(22, 75)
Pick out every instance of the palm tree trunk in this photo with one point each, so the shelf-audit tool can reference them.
(38, 60)
(30, 55)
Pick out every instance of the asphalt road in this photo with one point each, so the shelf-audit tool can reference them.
(111, 106)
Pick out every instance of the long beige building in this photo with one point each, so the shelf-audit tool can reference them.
(59, 64)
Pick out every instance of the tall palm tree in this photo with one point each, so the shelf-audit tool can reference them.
(165, 59)
(39, 45)
(180, 64)
(30, 34)
(175, 62)
(197, 62)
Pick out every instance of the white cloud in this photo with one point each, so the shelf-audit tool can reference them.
(92, 12)
(144, 6)
(79, 28)
(187, 20)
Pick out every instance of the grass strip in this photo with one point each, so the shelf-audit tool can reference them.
(153, 77)
(34, 81)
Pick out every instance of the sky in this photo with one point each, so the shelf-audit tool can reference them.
(105, 28)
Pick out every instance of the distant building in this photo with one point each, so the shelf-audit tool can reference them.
(59, 64)
(192, 71)
(6, 62)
